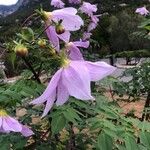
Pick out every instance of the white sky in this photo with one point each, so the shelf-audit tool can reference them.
(8, 2)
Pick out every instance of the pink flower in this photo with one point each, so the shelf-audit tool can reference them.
(72, 79)
(88, 8)
(57, 3)
(75, 1)
(142, 11)
(73, 50)
(8, 124)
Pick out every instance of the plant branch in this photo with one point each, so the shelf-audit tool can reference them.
(71, 143)
(28, 19)
(31, 69)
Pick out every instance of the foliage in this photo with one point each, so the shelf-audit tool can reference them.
(133, 54)
(139, 83)
(99, 124)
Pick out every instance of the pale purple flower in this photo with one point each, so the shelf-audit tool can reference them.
(94, 23)
(88, 8)
(142, 11)
(57, 3)
(9, 124)
(71, 47)
(74, 51)
(70, 22)
(54, 37)
(91, 26)
(95, 18)
(75, 1)
(72, 79)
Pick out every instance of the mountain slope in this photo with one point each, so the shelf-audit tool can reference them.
(6, 10)
(11, 23)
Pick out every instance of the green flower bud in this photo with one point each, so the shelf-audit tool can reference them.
(21, 50)
(60, 29)
(42, 43)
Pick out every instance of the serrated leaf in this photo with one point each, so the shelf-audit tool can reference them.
(57, 124)
(145, 138)
(105, 142)
(71, 115)
(130, 143)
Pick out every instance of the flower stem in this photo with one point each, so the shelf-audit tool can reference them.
(31, 69)
(71, 143)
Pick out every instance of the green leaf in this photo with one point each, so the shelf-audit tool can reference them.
(27, 34)
(147, 27)
(141, 147)
(111, 133)
(130, 143)
(71, 115)
(80, 103)
(57, 124)
(145, 138)
(105, 142)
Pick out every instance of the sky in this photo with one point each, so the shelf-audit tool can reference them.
(8, 2)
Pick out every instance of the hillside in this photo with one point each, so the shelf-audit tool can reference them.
(14, 15)
(11, 23)
(6, 10)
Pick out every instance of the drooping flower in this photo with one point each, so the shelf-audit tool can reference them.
(65, 19)
(54, 37)
(68, 17)
(71, 47)
(75, 1)
(88, 8)
(57, 3)
(142, 11)
(73, 50)
(9, 124)
(72, 79)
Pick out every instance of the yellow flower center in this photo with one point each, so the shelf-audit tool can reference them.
(65, 63)
(3, 113)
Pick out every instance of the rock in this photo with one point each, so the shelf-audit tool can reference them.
(21, 112)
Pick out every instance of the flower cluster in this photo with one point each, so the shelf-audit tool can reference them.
(61, 4)
(85, 8)
(75, 74)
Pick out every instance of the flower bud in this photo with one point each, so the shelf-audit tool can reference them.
(21, 50)
(60, 29)
(42, 43)
(46, 15)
